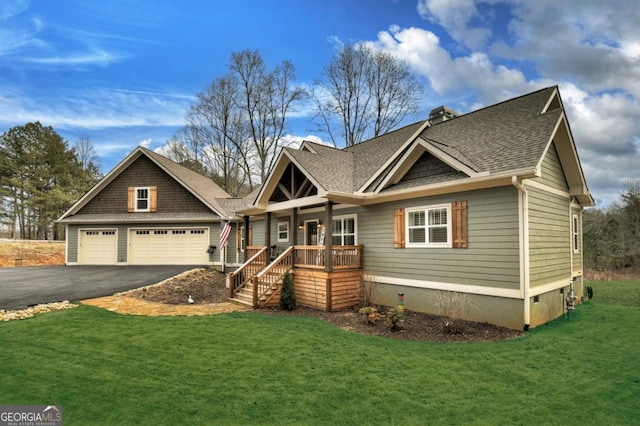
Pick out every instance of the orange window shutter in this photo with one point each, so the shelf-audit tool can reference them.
(131, 199)
(398, 228)
(153, 198)
(459, 224)
(250, 242)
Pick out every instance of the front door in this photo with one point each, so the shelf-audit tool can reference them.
(311, 233)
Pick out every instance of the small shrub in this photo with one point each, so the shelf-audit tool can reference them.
(370, 314)
(369, 288)
(287, 294)
(395, 319)
(454, 307)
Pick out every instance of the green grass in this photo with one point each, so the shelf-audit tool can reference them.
(245, 368)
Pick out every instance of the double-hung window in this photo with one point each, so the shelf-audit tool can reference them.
(344, 231)
(429, 226)
(283, 232)
(142, 200)
(576, 234)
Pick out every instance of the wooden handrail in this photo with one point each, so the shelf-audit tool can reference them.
(249, 269)
(269, 280)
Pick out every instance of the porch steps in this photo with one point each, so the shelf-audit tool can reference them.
(245, 295)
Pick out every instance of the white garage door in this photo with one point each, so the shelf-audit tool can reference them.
(184, 246)
(98, 247)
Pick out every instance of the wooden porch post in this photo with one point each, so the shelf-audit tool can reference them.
(246, 237)
(293, 229)
(267, 235)
(328, 239)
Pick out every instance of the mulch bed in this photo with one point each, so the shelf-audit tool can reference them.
(206, 286)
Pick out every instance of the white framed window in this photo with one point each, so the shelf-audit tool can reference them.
(283, 232)
(241, 238)
(428, 226)
(142, 199)
(575, 232)
(344, 230)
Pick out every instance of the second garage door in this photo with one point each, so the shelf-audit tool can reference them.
(186, 246)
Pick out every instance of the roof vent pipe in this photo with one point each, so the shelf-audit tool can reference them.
(442, 113)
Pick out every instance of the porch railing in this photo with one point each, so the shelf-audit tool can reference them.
(269, 279)
(248, 270)
(344, 257)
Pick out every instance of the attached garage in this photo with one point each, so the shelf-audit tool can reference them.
(97, 246)
(168, 246)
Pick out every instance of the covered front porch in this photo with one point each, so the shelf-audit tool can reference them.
(258, 281)
(321, 281)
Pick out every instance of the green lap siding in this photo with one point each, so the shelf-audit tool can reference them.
(492, 258)
(549, 237)
(552, 173)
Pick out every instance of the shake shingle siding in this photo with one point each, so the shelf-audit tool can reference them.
(492, 258)
(549, 237)
(172, 197)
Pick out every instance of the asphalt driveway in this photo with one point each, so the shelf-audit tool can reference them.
(23, 287)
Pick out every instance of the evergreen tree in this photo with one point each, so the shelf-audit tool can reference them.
(40, 177)
(287, 294)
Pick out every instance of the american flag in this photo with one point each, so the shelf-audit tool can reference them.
(224, 235)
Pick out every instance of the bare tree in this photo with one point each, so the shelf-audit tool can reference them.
(236, 127)
(363, 93)
(265, 98)
(86, 153)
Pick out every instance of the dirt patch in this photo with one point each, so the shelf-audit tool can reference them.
(207, 289)
(31, 253)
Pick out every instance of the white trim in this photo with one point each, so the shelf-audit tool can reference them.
(66, 244)
(283, 240)
(546, 288)
(391, 159)
(435, 285)
(413, 154)
(575, 234)
(135, 199)
(299, 202)
(426, 210)
(543, 187)
(523, 246)
(353, 216)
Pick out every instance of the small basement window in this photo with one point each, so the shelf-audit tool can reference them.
(536, 299)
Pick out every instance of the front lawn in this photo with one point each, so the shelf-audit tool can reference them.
(247, 368)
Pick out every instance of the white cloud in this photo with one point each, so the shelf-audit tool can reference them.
(93, 108)
(146, 143)
(589, 49)
(455, 17)
(11, 8)
(91, 57)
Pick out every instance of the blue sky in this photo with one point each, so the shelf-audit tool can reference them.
(124, 72)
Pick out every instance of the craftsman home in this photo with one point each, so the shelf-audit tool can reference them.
(486, 204)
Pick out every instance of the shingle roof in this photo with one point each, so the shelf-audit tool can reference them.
(511, 135)
(199, 184)
(140, 217)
